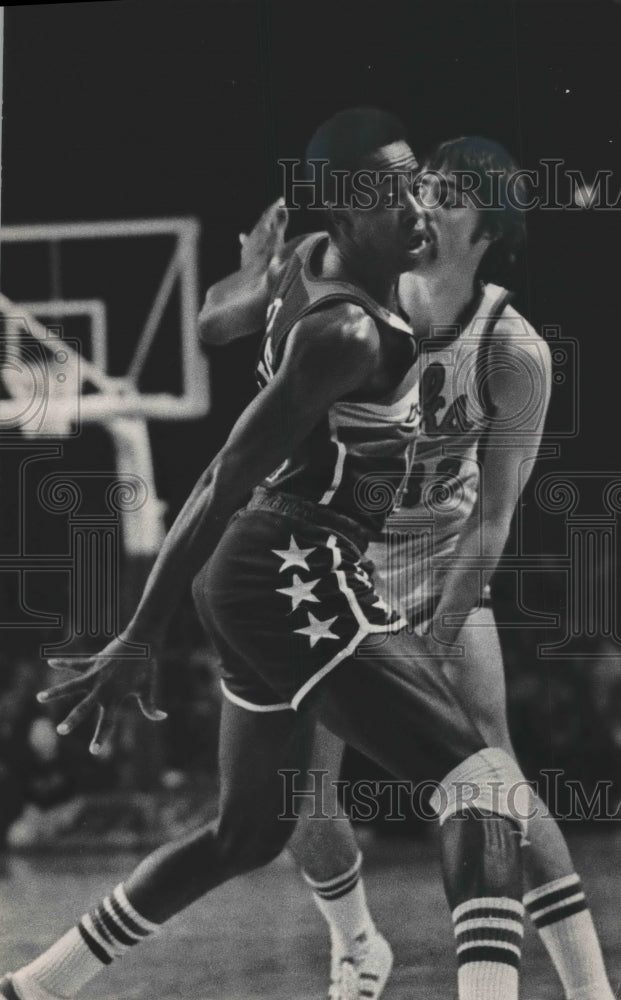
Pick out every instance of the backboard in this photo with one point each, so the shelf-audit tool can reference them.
(99, 321)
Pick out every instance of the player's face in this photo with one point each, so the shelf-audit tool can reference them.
(452, 219)
(390, 233)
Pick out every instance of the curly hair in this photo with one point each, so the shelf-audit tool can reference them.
(347, 139)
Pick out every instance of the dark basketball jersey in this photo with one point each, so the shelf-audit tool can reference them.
(358, 447)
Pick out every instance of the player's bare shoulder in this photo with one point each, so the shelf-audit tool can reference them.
(519, 340)
(340, 334)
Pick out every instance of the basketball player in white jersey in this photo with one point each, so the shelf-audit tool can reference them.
(479, 436)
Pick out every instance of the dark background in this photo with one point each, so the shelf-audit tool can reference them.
(129, 109)
(134, 109)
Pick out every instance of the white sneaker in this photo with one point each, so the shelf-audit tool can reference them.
(344, 981)
(363, 974)
(373, 963)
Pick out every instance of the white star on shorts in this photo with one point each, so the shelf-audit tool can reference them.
(316, 630)
(293, 556)
(299, 591)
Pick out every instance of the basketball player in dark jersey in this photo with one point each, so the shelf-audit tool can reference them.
(473, 455)
(284, 588)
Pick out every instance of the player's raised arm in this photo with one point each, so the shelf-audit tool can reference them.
(327, 356)
(235, 306)
(518, 387)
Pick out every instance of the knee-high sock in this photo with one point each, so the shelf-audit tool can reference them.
(342, 902)
(482, 865)
(103, 934)
(488, 937)
(560, 913)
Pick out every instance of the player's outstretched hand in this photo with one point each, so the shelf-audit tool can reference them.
(261, 249)
(102, 682)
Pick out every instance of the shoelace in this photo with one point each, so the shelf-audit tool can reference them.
(346, 985)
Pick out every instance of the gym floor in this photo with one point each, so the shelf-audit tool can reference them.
(260, 936)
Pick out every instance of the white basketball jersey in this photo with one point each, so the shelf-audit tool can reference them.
(455, 412)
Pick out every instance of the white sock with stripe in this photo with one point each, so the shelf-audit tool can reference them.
(102, 935)
(560, 913)
(488, 936)
(342, 901)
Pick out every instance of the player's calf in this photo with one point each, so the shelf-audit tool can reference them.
(483, 806)
(325, 847)
(177, 874)
(163, 884)
(483, 886)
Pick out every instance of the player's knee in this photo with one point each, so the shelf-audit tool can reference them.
(489, 783)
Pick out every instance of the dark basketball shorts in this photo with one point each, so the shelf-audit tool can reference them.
(287, 596)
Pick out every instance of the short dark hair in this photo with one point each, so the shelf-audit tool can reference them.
(347, 139)
(495, 166)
